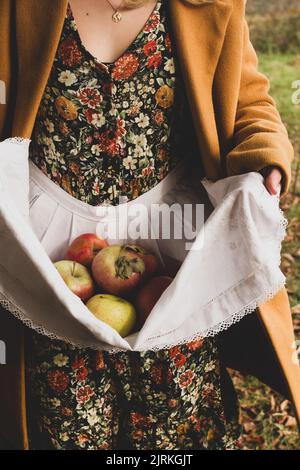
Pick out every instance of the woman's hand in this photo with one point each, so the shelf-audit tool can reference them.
(273, 178)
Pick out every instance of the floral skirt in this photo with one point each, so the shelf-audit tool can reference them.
(175, 399)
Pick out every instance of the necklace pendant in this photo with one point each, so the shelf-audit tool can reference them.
(116, 17)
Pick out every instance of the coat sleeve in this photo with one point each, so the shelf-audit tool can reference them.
(260, 137)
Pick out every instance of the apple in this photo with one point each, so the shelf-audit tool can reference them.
(149, 294)
(150, 260)
(118, 271)
(84, 248)
(171, 266)
(76, 277)
(115, 311)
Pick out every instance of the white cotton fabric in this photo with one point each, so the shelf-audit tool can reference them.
(232, 267)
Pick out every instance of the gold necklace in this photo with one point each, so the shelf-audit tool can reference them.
(116, 16)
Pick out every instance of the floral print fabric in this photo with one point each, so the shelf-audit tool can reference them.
(171, 399)
(106, 131)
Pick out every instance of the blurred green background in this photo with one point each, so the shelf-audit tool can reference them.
(267, 418)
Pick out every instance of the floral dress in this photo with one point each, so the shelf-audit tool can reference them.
(106, 131)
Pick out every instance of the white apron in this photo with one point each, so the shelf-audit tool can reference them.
(228, 256)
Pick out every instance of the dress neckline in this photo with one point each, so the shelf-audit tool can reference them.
(107, 65)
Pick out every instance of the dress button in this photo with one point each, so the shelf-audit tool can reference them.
(102, 67)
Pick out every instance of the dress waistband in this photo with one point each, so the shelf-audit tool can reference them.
(62, 197)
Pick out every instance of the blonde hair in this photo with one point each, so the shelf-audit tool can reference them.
(138, 3)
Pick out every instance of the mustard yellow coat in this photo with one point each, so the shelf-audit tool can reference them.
(238, 129)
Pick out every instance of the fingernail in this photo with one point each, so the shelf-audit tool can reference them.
(274, 190)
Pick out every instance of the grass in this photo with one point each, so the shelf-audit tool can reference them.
(266, 416)
(283, 70)
(261, 7)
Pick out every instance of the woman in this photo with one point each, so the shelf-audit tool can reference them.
(73, 83)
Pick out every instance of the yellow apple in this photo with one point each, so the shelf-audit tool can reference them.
(115, 311)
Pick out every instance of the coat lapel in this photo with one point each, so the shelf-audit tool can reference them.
(198, 33)
(38, 29)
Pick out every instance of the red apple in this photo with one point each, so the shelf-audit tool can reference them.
(171, 266)
(77, 278)
(150, 260)
(118, 271)
(149, 295)
(84, 248)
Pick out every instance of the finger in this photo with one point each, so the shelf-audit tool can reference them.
(272, 182)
